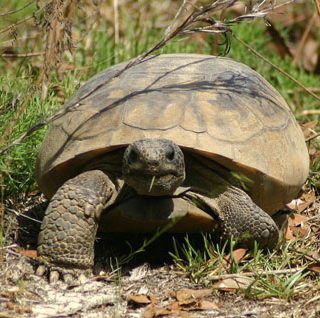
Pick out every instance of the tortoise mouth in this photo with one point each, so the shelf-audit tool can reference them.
(154, 184)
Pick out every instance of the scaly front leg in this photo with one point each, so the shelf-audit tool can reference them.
(245, 221)
(68, 231)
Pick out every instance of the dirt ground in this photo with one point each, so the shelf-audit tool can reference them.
(149, 286)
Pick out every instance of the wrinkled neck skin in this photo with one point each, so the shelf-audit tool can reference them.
(153, 167)
(204, 176)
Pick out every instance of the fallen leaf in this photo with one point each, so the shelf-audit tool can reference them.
(207, 305)
(29, 253)
(238, 254)
(299, 205)
(188, 300)
(153, 311)
(139, 272)
(310, 55)
(314, 268)
(230, 284)
(184, 295)
(308, 128)
(297, 227)
(139, 299)
(289, 235)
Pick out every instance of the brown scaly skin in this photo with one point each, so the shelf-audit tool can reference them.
(242, 219)
(66, 240)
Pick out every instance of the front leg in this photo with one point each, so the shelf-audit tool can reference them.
(68, 231)
(245, 221)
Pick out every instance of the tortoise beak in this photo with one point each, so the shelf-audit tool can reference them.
(153, 167)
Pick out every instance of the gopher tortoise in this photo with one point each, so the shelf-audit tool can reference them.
(195, 140)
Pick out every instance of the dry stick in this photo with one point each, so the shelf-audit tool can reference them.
(55, 32)
(116, 29)
(311, 300)
(8, 28)
(50, 51)
(5, 315)
(16, 55)
(21, 109)
(23, 215)
(313, 137)
(317, 4)
(43, 123)
(304, 39)
(277, 68)
(170, 33)
(310, 112)
(17, 10)
(253, 274)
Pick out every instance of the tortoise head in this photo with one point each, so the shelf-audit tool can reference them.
(153, 167)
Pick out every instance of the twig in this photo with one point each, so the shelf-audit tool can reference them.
(23, 215)
(14, 25)
(304, 39)
(317, 4)
(182, 23)
(310, 112)
(277, 68)
(254, 274)
(116, 29)
(8, 130)
(17, 10)
(311, 300)
(4, 315)
(313, 137)
(16, 55)
(9, 246)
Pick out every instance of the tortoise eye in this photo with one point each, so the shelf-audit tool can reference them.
(170, 153)
(133, 156)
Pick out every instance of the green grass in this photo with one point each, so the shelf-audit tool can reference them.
(199, 262)
(96, 50)
(269, 277)
(17, 165)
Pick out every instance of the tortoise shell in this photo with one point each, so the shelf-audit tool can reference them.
(212, 106)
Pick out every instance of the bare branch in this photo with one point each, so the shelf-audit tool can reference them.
(17, 10)
(278, 69)
(257, 274)
(189, 19)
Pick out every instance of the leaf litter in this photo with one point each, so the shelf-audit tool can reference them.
(173, 294)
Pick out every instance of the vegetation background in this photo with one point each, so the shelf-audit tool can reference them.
(48, 49)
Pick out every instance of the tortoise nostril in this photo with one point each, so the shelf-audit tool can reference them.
(154, 163)
(133, 156)
(170, 153)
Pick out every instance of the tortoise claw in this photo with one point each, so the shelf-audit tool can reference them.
(82, 279)
(68, 279)
(53, 277)
(41, 270)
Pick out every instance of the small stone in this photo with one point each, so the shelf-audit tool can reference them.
(53, 277)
